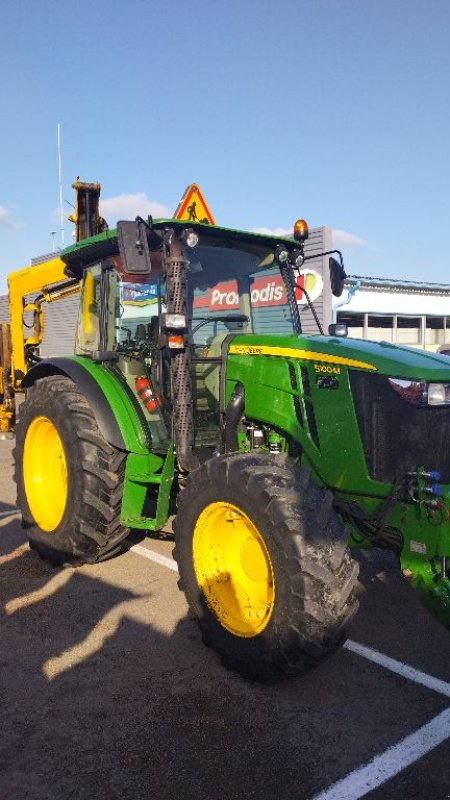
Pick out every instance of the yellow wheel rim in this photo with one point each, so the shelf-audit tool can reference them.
(45, 473)
(233, 569)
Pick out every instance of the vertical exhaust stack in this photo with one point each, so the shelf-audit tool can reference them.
(180, 368)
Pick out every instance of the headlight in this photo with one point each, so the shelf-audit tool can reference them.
(297, 258)
(439, 394)
(281, 254)
(176, 322)
(190, 237)
(422, 393)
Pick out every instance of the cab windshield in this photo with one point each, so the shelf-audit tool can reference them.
(231, 289)
(235, 289)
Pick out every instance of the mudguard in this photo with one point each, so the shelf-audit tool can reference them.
(116, 416)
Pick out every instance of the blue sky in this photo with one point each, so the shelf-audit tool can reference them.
(334, 110)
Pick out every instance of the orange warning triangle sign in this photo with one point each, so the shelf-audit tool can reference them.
(193, 208)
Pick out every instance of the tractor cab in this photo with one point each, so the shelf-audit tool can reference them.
(138, 316)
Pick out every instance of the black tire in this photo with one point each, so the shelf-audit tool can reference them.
(314, 575)
(89, 529)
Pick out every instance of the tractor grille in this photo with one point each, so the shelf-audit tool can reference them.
(398, 437)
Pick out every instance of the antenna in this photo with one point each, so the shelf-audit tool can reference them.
(61, 210)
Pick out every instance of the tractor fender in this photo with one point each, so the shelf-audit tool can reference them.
(116, 418)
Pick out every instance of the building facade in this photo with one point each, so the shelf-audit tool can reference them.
(401, 312)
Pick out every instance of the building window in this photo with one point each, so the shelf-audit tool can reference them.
(354, 322)
(429, 332)
(409, 330)
(435, 331)
(380, 328)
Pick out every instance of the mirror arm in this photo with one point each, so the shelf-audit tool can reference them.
(327, 253)
(287, 275)
(313, 310)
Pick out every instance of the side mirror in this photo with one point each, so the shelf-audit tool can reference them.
(133, 247)
(338, 329)
(337, 276)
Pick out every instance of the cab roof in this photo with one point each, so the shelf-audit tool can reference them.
(78, 256)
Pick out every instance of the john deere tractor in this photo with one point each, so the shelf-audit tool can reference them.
(193, 384)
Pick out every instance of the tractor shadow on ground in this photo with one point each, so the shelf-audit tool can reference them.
(6, 508)
(119, 702)
(107, 691)
(388, 604)
(116, 707)
(136, 537)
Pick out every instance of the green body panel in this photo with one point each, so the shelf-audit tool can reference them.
(279, 377)
(335, 452)
(337, 456)
(140, 471)
(434, 594)
(134, 434)
(142, 467)
(385, 358)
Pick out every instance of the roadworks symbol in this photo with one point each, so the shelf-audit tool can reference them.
(193, 208)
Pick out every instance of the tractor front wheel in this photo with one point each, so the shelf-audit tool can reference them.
(69, 479)
(264, 564)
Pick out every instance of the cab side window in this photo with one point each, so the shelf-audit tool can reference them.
(88, 329)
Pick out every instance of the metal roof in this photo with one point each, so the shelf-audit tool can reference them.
(398, 285)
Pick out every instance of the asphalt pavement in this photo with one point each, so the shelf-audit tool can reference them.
(106, 690)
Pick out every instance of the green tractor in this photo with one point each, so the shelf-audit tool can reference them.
(192, 384)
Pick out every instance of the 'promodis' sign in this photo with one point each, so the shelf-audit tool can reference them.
(265, 291)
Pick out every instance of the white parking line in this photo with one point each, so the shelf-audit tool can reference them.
(396, 758)
(404, 670)
(9, 513)
(385, 766)
(159, 559)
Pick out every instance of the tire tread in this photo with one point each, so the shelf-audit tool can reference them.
(94, 532)
(312, 542)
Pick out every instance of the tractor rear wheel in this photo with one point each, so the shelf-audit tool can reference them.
(69, 479)
(264, 564)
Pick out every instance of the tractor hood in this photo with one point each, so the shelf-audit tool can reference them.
(375, 357)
